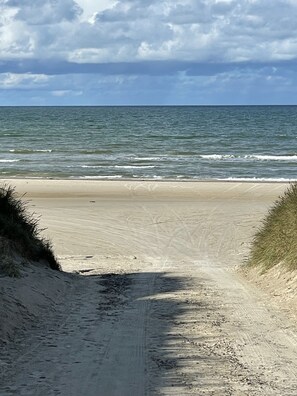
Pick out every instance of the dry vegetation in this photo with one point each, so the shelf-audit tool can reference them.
(20, 236)
(276, 240)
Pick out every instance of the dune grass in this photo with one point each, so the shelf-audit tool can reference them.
(276, 240)
(19, 234)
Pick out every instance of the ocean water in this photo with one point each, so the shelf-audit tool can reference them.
(192, 142)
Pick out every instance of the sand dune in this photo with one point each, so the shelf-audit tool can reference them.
(156, 304)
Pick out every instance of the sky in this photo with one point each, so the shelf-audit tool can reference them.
(148, 52)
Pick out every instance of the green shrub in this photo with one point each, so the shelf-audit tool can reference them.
(19, 230)
(276, 240)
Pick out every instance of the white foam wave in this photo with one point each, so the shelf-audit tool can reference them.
(4, 160)
(291, 158)
(148, 158)
(133, 166)
(119, 166)
(258, 179)
(102, 177)
(91, 166)
(253, 157)
(24, 151)
(217, 156)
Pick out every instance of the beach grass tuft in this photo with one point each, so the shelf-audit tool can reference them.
(276, 240)
(20, 234)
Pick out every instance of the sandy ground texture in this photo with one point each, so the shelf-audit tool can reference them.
(153, 302)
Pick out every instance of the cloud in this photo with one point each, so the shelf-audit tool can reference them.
(40, 12)
(161, 45)
(135, 30)
(23, 81)
(66, 92)
(92, 7)
(204, 30)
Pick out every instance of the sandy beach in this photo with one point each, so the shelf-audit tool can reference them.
(154, 302)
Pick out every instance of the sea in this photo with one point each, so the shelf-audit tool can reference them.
(149, 142)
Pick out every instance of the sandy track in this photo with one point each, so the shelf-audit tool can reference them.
(158, 308)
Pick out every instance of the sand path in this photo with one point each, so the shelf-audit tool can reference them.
(158, 308)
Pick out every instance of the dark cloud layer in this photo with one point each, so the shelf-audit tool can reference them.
(148, 68)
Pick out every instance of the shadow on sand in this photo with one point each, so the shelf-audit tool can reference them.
(168, 335)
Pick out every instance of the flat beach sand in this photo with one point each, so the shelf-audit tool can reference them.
(155, 301)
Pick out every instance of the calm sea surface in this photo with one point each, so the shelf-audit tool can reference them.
(244, 142)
